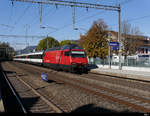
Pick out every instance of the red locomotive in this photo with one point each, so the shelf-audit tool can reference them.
(69, 57)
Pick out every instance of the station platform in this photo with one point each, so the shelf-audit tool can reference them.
(124, 73)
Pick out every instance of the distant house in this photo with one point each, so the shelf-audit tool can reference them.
(145, 42)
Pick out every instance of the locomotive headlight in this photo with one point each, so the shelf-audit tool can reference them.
(73, 63)
(84, 63)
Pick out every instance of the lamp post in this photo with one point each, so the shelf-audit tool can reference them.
(109, 60)
(119, 37)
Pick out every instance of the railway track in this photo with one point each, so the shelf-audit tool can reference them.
(136, 103)
(11, 101)
(32, 100)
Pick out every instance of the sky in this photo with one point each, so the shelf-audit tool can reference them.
(22, 18)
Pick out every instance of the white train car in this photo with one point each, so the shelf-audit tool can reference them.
(35, 58)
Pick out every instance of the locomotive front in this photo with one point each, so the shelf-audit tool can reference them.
(79, 61)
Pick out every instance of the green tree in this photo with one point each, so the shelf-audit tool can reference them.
(50, 41)
(9, 52)
(4, 44)
(95, 40)
(66, 42)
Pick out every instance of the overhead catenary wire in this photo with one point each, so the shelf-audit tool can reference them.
(35, 19)
(63, 1)
(21, 36)
(77, 20)
(22, 14)
(134, 19)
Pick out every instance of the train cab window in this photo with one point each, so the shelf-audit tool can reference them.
(76, 54)
(67, 53)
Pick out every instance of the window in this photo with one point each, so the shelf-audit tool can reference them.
(146, 50)
(67, 53)
(37, 56)
(78, 55)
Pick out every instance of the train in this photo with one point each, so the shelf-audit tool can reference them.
(6, 54)
(70, 58)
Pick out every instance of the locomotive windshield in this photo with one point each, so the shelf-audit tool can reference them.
(71, 46)
(77, 54)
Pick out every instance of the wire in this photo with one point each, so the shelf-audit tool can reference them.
(69, 24)
(11, 13)
(45, 15)
(22, 15)
(134, 19)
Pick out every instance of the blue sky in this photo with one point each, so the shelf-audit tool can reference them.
(21, 14)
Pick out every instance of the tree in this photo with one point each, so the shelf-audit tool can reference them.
(131, 40)
(95, 40)
(4, 44)
(66, 42)
(50, 41)
(9, 50)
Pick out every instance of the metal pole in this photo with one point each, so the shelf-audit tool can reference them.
(109, 50)
(119, 37)
(47, 41)
(26, 35)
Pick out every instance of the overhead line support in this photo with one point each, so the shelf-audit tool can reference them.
(71, 3)
(22, 36)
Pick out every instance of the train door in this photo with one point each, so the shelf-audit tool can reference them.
(67, 59)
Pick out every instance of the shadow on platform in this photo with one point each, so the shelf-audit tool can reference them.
(92, 66)
(52, 81)
(91, 108)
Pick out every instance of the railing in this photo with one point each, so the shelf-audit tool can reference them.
(125, 62)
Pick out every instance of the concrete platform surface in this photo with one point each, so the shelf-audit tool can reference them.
(138, 75)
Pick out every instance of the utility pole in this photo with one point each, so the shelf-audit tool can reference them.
(119, 37)
(73, 16)
(109, 60)
(47, 42)
(26, 33)
(40, 14)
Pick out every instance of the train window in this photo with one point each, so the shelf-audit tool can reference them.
(23, 56)
(78, 55)
(38, 56)
(71, 46)
(67, 53)
(65, 47)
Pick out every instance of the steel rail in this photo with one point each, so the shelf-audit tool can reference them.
(24, 110)
(123, 102)
(50, 103)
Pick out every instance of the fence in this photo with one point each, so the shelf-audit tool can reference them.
(124, 62)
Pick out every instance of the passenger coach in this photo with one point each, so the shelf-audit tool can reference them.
(34, 58)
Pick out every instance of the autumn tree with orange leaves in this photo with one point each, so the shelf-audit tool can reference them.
(95, 40)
